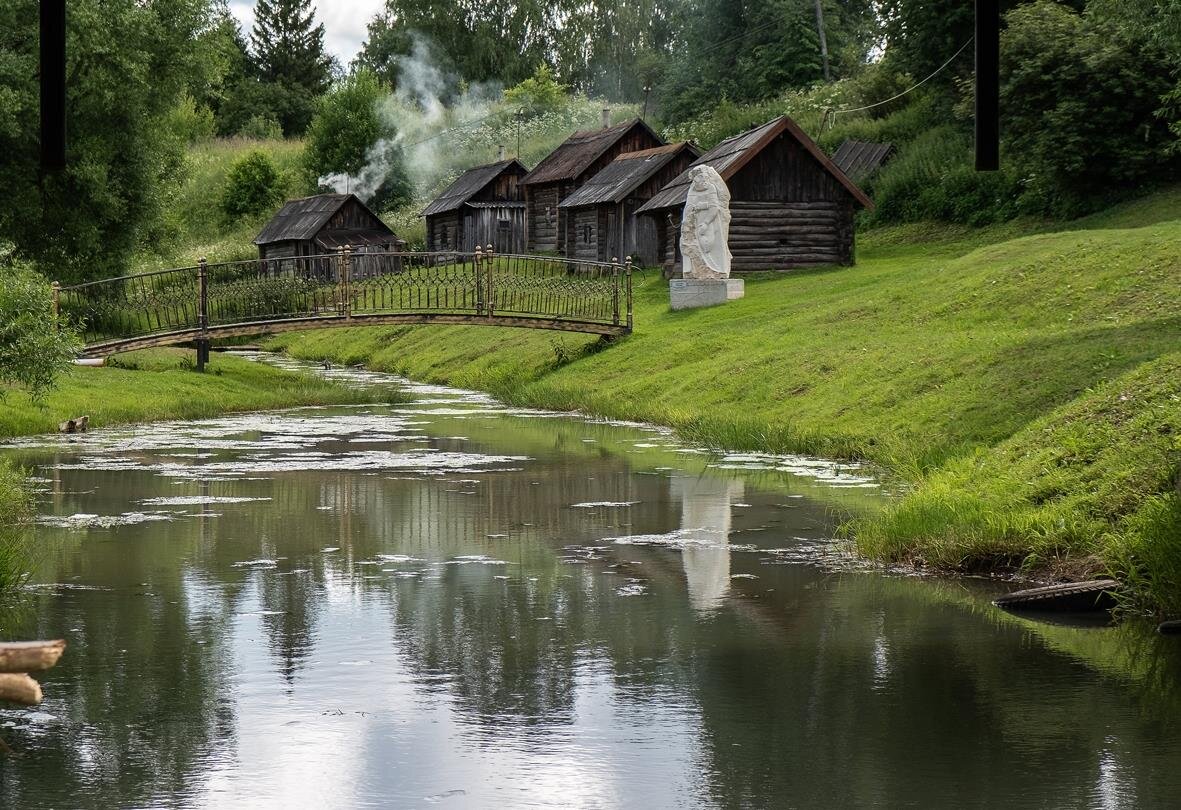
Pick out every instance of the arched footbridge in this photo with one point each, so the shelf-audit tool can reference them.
(193, 305)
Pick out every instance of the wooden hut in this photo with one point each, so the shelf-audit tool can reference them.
(860, 160)
(321, 224)
(484, 206)
(580, 157)
(790, 205)
(602, 213)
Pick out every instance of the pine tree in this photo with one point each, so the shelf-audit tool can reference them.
(288, 45)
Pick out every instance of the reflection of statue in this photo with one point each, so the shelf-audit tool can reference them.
(705, 229)
(705, 524)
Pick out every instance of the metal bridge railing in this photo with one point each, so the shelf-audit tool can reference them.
(193, 303)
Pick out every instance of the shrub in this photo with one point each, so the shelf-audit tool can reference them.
(253, 187)
(1080, 99)
(190, 121)
(34, 347)
(540, 93)
(261, 127)
(345, 128)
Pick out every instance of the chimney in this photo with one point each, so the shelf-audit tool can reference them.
(500, 154)
(606, 117)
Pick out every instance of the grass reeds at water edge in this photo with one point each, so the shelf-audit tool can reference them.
(16, 509)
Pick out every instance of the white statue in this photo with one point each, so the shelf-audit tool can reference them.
(705, 229)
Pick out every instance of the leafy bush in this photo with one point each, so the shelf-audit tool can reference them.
(34, 347)
(253, 186)
(1080, 100)
(540, 93)
(190, 121)
(261, 127)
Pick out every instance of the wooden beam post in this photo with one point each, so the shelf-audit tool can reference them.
(202, 313)
(57, 305)
(346, 275)
(490, 295)
(53, 84)
(477, 260)
(616, 282)
(988, 84)
(628, 282)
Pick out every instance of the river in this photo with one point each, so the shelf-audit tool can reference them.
(454, 603)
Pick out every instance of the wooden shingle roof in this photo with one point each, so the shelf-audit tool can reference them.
(860, 159)
(468, 185)
(729, 156)
(625, 174)
(578, 152)
(300, 220)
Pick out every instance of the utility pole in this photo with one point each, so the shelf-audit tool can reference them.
(823, 39)
(53, 84)
(988, 85)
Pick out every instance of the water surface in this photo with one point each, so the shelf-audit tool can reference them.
(455, 603)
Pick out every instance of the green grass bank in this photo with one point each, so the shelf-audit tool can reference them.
(1023, 380)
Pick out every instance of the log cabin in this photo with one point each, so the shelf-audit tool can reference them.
(602, 213)
(313, 226)
(567, 168)
(790, 206)
(484, 206)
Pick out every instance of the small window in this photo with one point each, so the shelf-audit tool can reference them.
(586, 234)
(503, 225)
(443, 237)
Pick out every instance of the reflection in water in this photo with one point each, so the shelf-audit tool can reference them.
(461, 604)
(706, 502)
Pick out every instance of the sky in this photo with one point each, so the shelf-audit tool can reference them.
(344, 21)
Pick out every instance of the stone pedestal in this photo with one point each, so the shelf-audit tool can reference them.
(735, 289)
(689, 293)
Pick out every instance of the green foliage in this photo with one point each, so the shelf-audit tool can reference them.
(191, 122)
(253, 187)
(288, 56)
(540, 93)
(261, 127)
(128, 64)
(1080, 99)
(346, 126)
(34, 346)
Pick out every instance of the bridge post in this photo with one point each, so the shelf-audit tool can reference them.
(628, 282)
(490, 296)
(202, 313)
(477, 260)
(57, 304)
(615, 281)
(346, 280)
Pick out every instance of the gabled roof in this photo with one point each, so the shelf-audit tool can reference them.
(578, 152)
(468, 185)
(300, 220)
(860, 159)
(729, 156)
(625, 174)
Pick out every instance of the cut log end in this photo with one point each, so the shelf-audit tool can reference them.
(30, 656)
(19, 688)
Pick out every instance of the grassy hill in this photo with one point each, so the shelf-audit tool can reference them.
(1024, 380)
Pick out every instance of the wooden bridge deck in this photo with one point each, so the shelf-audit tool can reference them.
(207, 301)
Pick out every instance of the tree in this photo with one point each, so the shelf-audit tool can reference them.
(540, 93)
(1079, 100)
(346, 126)
(253, 187)
(288, 53)
(34, 346)
(128, 66)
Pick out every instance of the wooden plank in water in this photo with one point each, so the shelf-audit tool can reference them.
(30, 656)
(1096, 594)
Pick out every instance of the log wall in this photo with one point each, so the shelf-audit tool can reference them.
(543, 218)
(503, 228)
(444, 231)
